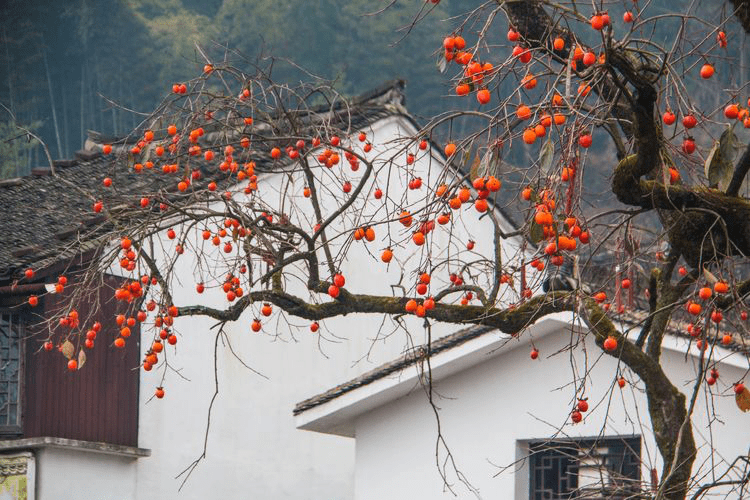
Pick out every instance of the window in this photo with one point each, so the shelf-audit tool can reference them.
(11, 363)
(589, 469)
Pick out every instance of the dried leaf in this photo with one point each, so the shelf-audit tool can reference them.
(68, 349)
(81, 359)
(743, 399)
(495, 166)
(729, 144)
(546, 155)
(146, 152)
(719, 162)
(718, 171)
(712, 157)
(474, 172)
(441, 63)
(709, 276)
(490, 164)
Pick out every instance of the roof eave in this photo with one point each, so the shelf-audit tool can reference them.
(338, 415)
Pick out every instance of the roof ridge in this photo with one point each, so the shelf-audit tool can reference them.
(54, 231)
(389, 93)
(82, 155)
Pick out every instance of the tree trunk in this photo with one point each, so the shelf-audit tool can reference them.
(666, 406)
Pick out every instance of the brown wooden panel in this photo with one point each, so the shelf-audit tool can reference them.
(99, 402)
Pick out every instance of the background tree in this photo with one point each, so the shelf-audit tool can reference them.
(620, 90)
(106, 64)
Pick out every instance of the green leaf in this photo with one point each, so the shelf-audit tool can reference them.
(536, 233)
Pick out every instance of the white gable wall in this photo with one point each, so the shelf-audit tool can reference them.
(254, 450)
(69, 473)
(487, 411)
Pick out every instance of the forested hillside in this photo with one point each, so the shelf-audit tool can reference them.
(68, 67)
(65, 64)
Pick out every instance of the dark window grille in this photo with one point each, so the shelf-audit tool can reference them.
(591, 469)
(11, 368)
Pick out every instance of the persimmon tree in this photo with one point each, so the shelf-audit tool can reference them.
(576, 89)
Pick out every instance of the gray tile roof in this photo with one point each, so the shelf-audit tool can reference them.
(47, 220)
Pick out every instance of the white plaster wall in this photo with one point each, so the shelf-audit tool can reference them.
(253, 448)
(83, 475)
(487, 409)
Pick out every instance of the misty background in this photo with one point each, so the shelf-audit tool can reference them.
(64, 64)
(79, 65)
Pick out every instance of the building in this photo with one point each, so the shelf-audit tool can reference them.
(101, 429)
(501, 427)
(59, 432)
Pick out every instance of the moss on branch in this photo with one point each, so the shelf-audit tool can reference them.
(666, 403)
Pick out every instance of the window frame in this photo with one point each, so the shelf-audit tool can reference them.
(17, 320)
(534, 449)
